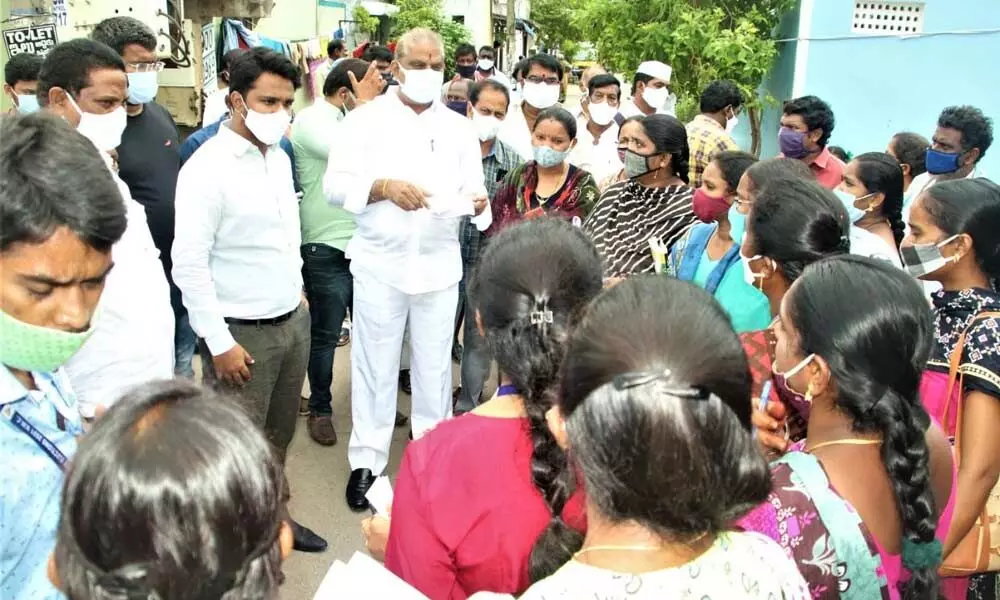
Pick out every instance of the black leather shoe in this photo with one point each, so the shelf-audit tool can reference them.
(306, 539)
(357, 486)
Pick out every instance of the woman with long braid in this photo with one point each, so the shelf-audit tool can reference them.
(473, 495)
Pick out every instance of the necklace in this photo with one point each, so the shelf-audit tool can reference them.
(845, 442)
(613, 548)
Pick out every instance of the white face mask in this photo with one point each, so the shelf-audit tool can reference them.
(602, 114)
(655, 97)
(486, 127)
(105, 131)
(748, 273)
(269, 128)
(421, 85)
(731, 122)
(540, 95)
(485, 64)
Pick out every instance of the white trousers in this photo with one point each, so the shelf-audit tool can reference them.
(380, 318)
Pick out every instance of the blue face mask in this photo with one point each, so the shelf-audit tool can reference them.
(142, 87)
(548, 157)
(459, 106)
(854, 213)
(737, 224)
(941, 163)
(27, 104)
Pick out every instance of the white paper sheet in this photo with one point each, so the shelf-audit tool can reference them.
(364, 578)
(380, 495)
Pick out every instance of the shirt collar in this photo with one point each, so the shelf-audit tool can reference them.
(12, 390)
(822, 161)
(235, 142)
(708, 121)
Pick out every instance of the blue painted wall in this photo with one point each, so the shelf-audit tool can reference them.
(880, 86)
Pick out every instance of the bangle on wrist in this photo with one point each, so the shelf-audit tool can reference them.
(385, 184)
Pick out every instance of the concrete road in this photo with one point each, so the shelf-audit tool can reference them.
(317, 476)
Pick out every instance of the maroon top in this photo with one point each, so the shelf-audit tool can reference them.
(466, 514)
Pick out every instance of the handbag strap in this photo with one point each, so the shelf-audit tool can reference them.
(954, 376)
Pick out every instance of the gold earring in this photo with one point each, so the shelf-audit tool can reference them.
(809, 392)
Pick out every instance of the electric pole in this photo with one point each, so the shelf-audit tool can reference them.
(511, 35)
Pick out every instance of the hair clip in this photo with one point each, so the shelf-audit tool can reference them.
(539, 317)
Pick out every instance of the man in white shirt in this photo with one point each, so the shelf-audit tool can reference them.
(585, 77)
(542, 83)
(236, 254)
(486, 67)
(84, 82)
(596, 148)
(650, 91)
(960, 141)
(404, 254)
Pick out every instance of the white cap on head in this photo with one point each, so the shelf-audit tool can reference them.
(656, 70)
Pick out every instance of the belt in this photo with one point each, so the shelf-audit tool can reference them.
(260, 322)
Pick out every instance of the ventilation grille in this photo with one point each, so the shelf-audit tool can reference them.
(881, 18)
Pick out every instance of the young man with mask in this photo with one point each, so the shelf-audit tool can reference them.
(60, 215)
(711, 131)
(650, 91)
(585, 77)
(148, 157)
(381, 57)
(465, 61)
(596, 148)
(405, 254)
(20, 76)
(543, 75)
(486, 67)
(326, 230)
(962, 137)
(85, 83)
(489, 101)
(237, 255)
(806, 126)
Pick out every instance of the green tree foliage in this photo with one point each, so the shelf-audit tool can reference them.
(559, 24)
(430, 14)
(365, 21)
(703, 40)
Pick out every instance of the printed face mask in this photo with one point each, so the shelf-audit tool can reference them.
(105, 131)
(707, 208)
(921, 260)
(636, 165)
(602, 114)
(800, 403)
(548, 157)
(32, 348)
(792, 143)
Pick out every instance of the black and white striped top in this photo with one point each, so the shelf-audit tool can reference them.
(628, 214)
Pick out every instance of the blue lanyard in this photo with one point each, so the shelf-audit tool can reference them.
(507, 390)
(47, 445)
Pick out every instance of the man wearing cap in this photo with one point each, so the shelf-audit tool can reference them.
(650, 94)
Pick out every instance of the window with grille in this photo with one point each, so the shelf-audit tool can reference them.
(881, 18)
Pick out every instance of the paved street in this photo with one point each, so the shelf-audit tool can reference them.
(318, 476)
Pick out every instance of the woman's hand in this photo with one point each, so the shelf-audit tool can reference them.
(772, 431)
(376, 531)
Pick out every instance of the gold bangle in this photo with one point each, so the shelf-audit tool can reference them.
(385, 184)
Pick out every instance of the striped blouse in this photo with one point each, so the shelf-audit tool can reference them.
(628, 214)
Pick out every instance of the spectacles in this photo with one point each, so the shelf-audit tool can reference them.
(545, 80)
(627, 381)
(146, 67)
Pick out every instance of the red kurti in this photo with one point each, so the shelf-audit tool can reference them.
(466, 514)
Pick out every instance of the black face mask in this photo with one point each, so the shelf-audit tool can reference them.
(466, 71)
(387, 77)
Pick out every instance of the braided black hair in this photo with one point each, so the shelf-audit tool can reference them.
(529, 291)
(876, 353)
(881, 173)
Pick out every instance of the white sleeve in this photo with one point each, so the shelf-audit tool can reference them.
(473, 179)
(198, 207)
(348, 180)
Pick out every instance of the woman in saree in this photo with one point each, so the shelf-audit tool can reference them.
(954, 240)
(856, 503)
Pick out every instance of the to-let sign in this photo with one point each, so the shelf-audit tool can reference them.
(35, 39)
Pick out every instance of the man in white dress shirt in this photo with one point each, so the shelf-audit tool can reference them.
(84, 82)
(650, 91)
(237, 259)
(542, 84)
(596, 149)
(405, 258)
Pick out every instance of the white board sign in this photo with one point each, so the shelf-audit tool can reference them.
(209, 71)
(61, 13)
